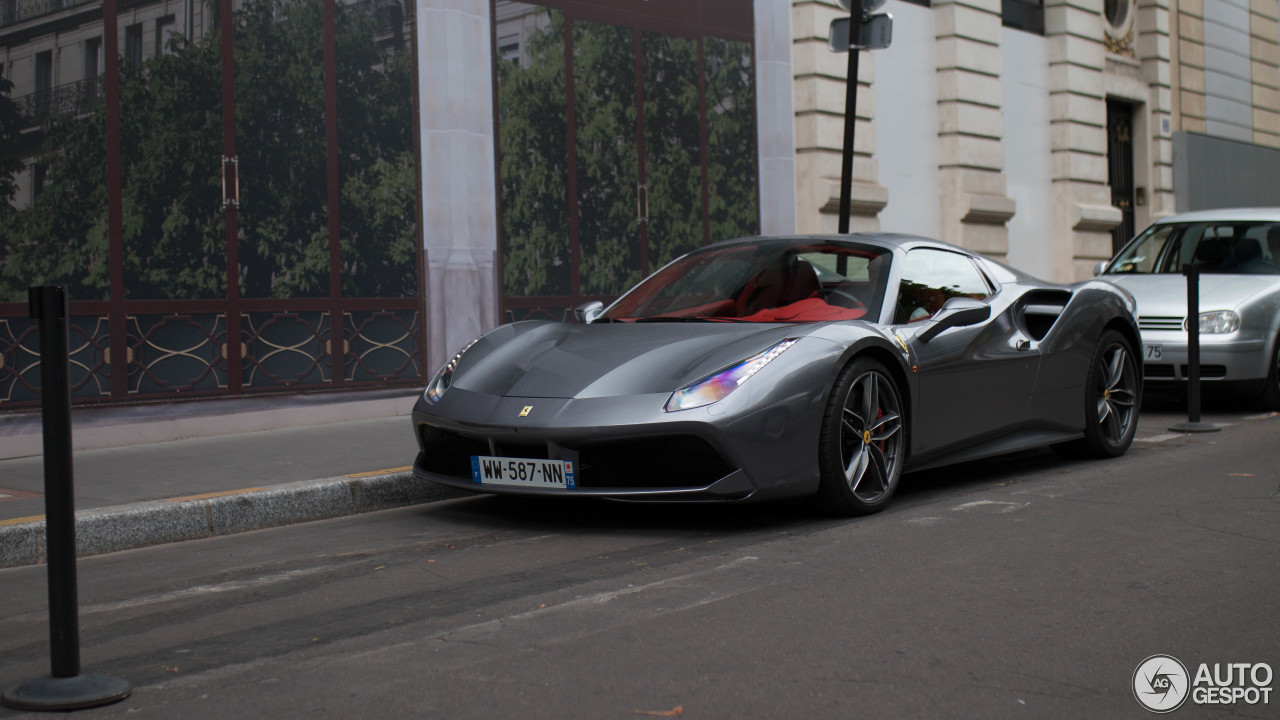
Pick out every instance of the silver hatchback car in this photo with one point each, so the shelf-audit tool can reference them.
(1238, 253)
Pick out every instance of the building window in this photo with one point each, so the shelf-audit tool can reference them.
(92, 58)
(39, 173)
(133, 46)
(1024, 15)
(1118, 35)
(44, 71)
(509, 48)
(166, 28)
(1117, 11)
(44, 83)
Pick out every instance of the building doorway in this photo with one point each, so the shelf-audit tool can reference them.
(1120, 169)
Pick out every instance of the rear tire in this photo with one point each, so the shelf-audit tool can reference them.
(863, 442)
(1112, 398)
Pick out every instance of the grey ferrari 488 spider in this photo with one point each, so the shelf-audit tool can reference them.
(784, 366)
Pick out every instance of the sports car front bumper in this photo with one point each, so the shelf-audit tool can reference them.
(760, 442)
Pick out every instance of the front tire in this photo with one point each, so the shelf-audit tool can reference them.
(1112, 398)
(863, 442)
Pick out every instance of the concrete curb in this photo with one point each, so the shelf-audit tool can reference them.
(123, 527)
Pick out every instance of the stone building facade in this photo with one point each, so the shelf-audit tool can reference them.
(1041, 135)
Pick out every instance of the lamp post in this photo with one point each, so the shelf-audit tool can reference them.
(862, 30)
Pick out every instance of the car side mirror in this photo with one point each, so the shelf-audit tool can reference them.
(588, 311)
(956, 312)
(1100, 267)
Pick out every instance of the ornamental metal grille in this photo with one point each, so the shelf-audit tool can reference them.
(236, 215)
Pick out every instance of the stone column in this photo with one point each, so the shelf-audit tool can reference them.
(459, 205)
(1190, 78)
(1264, 50)
(1153, 48)
(974, 205)
(819, 106)
(1082, 213)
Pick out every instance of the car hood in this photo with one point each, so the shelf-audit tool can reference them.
(559, 360)
(1166, 295)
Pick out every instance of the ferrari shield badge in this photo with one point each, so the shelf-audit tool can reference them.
(524, 412)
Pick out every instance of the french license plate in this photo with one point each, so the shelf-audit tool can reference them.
(1152, 351)
(523, 472)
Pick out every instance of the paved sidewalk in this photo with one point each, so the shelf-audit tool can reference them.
(155, 492)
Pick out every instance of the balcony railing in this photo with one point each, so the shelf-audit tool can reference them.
(13, 12)
(66, 99)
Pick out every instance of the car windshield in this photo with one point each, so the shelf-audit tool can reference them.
(765, 282)
(1223, 247)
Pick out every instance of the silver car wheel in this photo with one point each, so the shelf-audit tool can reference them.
(870, 436)
(1118, 394)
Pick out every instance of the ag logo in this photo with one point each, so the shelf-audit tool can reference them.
(1160, 683)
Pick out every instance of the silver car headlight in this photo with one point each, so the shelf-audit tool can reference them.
(1218, 322)
(718, 385)
(444, 379)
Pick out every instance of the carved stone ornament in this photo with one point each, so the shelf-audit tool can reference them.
(1118, 34)
(1119, 46)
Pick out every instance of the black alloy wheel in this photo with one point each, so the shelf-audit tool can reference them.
(863, 442)
(1112, 397)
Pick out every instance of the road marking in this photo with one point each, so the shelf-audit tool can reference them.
(1159, 438)
(1006, 506)
(257, 582)
(388, 471)
(924, 521)
(7, 494)
(21, 520)
(224, 493)
(599, 598)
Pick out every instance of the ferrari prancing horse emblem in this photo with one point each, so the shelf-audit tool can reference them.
(527, 409)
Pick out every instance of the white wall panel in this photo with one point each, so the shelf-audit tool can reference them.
(1228, 72)
(1027, 151)
(775, 117)
(906, 122)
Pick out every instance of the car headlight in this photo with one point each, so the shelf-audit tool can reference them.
(444, 379)
(1218, 322)
(717, 385)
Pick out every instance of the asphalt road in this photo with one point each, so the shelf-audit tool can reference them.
(1027, 586)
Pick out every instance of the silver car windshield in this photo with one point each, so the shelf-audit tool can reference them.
(1223, 248)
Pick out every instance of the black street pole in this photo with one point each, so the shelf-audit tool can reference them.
(850, 121)
(67, 688)
(1193, 424)
(49, 305)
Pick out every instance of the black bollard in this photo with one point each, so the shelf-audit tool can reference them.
(67, 688)
(1193, 424)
